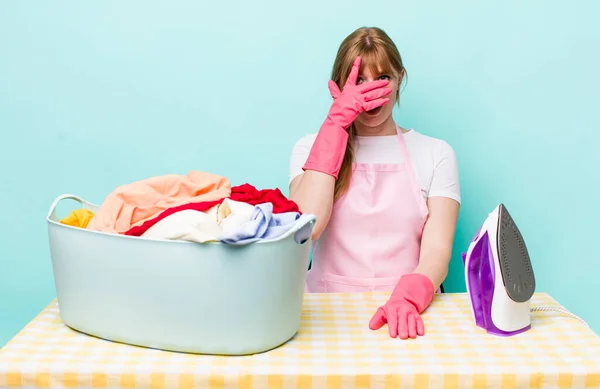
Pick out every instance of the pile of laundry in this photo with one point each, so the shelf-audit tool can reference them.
(198, 207)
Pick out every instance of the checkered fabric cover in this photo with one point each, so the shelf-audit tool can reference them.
(333, 349)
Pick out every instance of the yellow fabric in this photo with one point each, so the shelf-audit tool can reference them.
(78, 218)
(333, 349)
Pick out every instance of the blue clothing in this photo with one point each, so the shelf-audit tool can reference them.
(264, 225)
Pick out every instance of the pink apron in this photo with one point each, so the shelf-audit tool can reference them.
(374, 234)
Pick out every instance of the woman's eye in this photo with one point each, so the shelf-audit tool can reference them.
(359, 80)
(384, 77)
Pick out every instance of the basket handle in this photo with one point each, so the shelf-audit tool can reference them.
(303, 227)
(66, 196)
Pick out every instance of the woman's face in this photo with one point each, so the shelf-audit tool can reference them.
(376, 117)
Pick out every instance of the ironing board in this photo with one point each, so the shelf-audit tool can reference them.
(333, 349)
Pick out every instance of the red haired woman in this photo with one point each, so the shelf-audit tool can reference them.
(386, 198)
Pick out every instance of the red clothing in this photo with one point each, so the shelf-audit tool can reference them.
(244, 193)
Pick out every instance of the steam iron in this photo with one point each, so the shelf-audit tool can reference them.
(499, 277)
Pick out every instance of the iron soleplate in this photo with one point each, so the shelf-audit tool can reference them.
(515, 264)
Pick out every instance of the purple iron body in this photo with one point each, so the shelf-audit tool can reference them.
(499, 276)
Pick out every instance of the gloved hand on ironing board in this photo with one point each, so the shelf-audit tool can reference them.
(327, 152)
(402, 311)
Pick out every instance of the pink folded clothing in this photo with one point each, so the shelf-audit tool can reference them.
(132, 204)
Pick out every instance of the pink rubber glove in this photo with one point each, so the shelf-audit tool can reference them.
(327, 152)
(402, 311)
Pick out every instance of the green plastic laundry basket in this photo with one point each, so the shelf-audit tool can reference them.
(209, 298)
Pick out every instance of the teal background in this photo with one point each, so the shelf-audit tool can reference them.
(94, 95)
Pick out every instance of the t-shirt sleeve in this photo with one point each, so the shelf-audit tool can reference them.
(300, 153)
(445, 181)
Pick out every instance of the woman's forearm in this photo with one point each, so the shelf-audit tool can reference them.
(313, 192)
(437, 239)
(434, 263)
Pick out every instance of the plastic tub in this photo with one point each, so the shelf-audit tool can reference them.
(209, 298)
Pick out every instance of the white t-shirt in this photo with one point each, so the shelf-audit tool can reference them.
(433, 159)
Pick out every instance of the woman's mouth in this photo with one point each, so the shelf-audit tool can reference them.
(373, 112)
